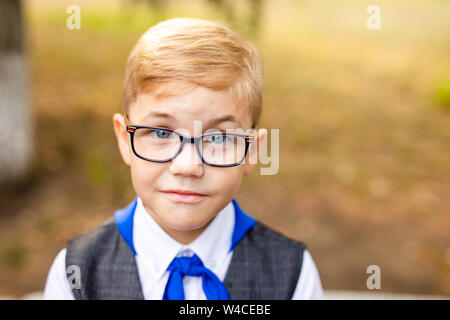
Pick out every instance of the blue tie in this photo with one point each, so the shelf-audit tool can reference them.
(192, 266)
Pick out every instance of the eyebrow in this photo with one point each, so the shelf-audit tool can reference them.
(158, 114)
(210, 123)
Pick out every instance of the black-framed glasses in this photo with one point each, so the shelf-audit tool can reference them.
(217, 149)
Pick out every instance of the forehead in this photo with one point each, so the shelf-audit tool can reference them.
(198, 104)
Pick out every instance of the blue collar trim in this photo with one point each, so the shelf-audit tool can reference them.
(243, 223)
(124, 221)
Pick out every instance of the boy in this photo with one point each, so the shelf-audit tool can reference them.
(185, 236)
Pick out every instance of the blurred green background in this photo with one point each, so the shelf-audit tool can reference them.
(364, 119)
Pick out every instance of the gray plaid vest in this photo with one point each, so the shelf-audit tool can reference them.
(264, 265)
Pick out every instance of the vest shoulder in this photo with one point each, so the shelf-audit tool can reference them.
(264, 233)
(107, 266)
(93, 237)
(265, 265)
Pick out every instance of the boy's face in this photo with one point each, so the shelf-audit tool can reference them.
(184, 217)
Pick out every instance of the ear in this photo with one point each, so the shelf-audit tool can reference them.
(123, 139)
(255, 151)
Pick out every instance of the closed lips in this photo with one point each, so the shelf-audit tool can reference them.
(185, 192)
(183, 196)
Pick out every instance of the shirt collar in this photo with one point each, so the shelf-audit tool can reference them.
(217, 235)
(158, 248)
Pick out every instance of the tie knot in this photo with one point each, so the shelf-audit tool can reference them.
(191, 266)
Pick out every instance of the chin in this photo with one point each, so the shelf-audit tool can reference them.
(187, 225)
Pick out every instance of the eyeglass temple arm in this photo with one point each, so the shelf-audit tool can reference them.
(127, 122)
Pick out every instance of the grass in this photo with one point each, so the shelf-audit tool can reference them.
(443, 94)
(364, 128)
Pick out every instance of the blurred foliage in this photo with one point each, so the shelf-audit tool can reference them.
(443, 94)
(15, 255)
(248, 13)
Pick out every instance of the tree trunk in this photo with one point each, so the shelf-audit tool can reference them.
(15, 115)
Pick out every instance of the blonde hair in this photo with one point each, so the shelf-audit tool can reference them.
(178, 54)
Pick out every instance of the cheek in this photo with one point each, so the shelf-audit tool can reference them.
(144, 174)
(225, 180)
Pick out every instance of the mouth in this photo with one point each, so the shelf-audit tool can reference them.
(184, 196)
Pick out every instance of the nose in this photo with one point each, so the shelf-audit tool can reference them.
(187, 162)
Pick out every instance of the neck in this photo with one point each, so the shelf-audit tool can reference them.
(182, 236)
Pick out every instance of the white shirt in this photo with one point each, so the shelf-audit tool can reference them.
(155, 250)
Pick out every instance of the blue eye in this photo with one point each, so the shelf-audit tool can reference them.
(216, 139)
(160, 134)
